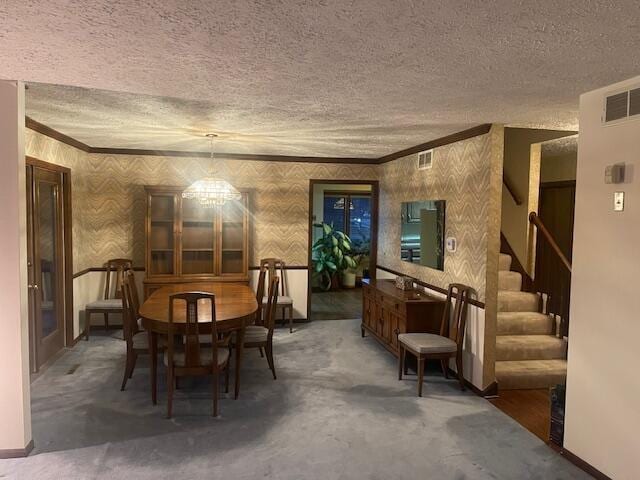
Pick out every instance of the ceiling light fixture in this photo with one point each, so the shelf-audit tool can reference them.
(211, 191)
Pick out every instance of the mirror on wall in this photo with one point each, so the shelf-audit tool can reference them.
(422, 233)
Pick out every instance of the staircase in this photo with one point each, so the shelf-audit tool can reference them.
(528, 353)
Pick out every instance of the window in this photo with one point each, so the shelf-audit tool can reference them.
(350, 213)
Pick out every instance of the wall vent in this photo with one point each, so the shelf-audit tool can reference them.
(425, 160)
(621, 105)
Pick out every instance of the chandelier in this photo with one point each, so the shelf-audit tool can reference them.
(211, 191)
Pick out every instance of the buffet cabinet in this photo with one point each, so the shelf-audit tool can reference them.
(187, 243)
(388, 311)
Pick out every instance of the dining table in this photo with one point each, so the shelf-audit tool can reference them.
(236, 307)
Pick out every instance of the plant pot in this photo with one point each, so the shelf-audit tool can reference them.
(349, 280)
(335, 282)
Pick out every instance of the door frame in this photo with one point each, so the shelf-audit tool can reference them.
(67, 240)
(375, 196)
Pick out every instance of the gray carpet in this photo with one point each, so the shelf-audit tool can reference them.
(337, 411)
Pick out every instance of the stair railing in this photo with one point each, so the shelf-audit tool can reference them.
(553, 283)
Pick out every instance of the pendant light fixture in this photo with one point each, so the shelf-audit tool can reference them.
(211, 191)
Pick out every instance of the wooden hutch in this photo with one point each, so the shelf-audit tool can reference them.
(188, 243)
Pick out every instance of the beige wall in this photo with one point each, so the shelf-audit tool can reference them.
(603, 389)
(15, 404)
(559, 166)
(518, 168)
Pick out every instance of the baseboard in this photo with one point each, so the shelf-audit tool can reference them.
(17, 452)
(581, 464)
(490, 391)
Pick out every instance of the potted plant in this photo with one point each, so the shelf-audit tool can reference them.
(331, 255)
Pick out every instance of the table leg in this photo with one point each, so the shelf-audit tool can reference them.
(239, 349)
(153, 351)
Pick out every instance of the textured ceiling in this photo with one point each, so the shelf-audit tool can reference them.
(332, 78)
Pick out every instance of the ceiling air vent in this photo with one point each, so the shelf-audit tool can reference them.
(634, 102)
(425, 160)
(616, 107)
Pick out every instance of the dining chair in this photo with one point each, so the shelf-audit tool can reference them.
(448, 344)
(275, 266)
(260, 294)
(137, 340)
(194, 359)
(261, 336)
(109, 304)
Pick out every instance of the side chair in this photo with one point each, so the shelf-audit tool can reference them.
(448, 344)
(261, 336)
(137, 340)
(192, 358)
(275, 266)
(109, 304)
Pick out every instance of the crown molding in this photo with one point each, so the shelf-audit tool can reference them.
(439, 142)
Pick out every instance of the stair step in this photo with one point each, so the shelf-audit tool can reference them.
(504, 262)
(530, 347)
(509, 301)
(513, 375)
(508, 280)
(525, 323)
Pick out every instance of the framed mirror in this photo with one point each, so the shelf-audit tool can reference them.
(422, 233)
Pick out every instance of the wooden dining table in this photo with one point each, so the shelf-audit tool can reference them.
(236, 307)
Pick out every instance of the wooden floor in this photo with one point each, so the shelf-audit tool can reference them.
(530, 408)
(337, 304)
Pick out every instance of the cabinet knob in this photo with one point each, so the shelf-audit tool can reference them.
(397, 331)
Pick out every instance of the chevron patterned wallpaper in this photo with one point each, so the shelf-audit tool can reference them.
(109, 201)
(461, 175)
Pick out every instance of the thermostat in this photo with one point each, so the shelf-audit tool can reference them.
(614, 173)
(452, 244)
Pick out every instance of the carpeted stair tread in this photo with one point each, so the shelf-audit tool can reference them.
(513, 375)
(525, 323)
(509, 301)
(504, 262)
(508, 280)
(530, 347)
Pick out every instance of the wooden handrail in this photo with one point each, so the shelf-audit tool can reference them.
(533, 218)
(511, 189)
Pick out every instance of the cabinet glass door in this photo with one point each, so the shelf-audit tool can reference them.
(198, 238)
(162, 234)
(232, 235)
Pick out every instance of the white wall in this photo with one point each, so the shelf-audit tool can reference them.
(473, 353)
(297, 286)
(603, 387)
(15, 401)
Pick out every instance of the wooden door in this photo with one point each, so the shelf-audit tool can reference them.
(45, 260)
(556, 211)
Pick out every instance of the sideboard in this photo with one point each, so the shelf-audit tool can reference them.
(388, 311)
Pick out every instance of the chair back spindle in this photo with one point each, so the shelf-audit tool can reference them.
(117, 266)
(195, 303)
(129, 311)
(272, 303)
(260, 295)
(275, 266)
(453, 325)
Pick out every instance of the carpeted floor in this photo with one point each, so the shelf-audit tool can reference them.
(337, 411)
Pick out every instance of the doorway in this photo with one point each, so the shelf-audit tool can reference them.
(342, 209)
(48, 261)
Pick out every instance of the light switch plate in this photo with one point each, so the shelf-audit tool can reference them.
(618, 202)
